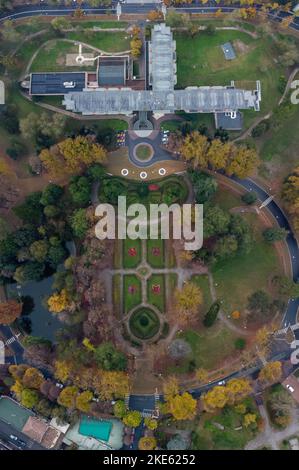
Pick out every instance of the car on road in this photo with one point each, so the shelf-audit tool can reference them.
(69, 84)
(13, 437)
(222, 382)
(290, 388)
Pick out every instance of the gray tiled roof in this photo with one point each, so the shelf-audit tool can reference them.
(125, 101)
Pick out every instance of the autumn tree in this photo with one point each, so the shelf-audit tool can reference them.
(242, 162)
(151, 423)
(182, 407)
(29, 398)
(219, 153)
(83, 401)
(59, 302)
(147, 443)
(68, 397)
(170, 387)
(72, 156)
(113, 384)
(290, 195)
(271, 373)
(10, 311)
(132, 419)
(120, 409)
(33, 378)
(249, 419)
(237, 389)
(201, 375)
(187, 301)
(195, 149)
(155, 15)
(216, 398)
(62, 370)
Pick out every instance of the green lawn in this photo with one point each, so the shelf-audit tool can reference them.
(131, 299)
(227, 199)
(240, 276)
(156, 298)
(155, 253)
(116, 290)
(210, 347)
(234, 435)
(202, 281)
(201, 62)
(130, 260)
(106, 41)
(52, 58)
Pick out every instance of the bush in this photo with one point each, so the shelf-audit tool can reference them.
(240, 344)
(211, 315)
(249, 198)
(261, 128)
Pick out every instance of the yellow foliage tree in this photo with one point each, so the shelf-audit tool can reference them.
(238, 389)
(62, 370)
(59, 302)
(170, 387)
(151, 423)
(147, 443)
(249, 418)
(17, 388)
(242, 162)
(68, 397)
(195, 149)
(215, 399)
(83, 401)
(271, 373)
(187, 301)
(182, 407)
(33, 378)
(113, 384)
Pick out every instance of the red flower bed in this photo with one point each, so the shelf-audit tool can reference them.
(153, 187)
(156, 251)
(156, 289)
(132, 251)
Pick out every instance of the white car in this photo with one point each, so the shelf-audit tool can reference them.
(69, 84)
(13, 437)
(290, 388)
(222, 382)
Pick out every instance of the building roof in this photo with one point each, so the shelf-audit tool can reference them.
(292, 381)
(228, 51)
(125, 101)
(41, 432)
(112, 72)
(162, 66)
(53, 83)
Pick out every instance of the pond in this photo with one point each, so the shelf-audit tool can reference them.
(43, 322)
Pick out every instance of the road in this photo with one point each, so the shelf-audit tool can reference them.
(26, 11)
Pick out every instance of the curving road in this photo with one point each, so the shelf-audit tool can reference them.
(43, 9)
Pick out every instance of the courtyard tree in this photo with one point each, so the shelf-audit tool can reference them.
(147, 443)
(83, 401)
(275, 234)
(10, 311)
(68, 397)
(29, 398)
(113, 384)
(215, 399)
(182, 407)
(33, 378)
(109, 358)
(187, 301)
(271, 373)
(151, 423)
(132, 419)
(243, 161)
(195, 149)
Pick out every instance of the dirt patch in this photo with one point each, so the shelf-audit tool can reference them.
(240, 47)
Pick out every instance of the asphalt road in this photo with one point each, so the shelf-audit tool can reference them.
(60, 10)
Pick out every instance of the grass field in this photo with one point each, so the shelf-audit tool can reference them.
(201, 62)
(210, 347)
(130, 261)
(202, 281)
(155, 253)
(131, 299)
(116, 290)
(240, 276)
(156, 298)
(226, 199)
(106, 41)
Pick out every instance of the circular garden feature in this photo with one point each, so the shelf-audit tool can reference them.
(143, 152)
(144, 323)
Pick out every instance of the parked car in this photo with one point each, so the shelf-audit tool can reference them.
(13, 437)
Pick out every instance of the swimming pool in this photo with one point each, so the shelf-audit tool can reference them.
(95, 428)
